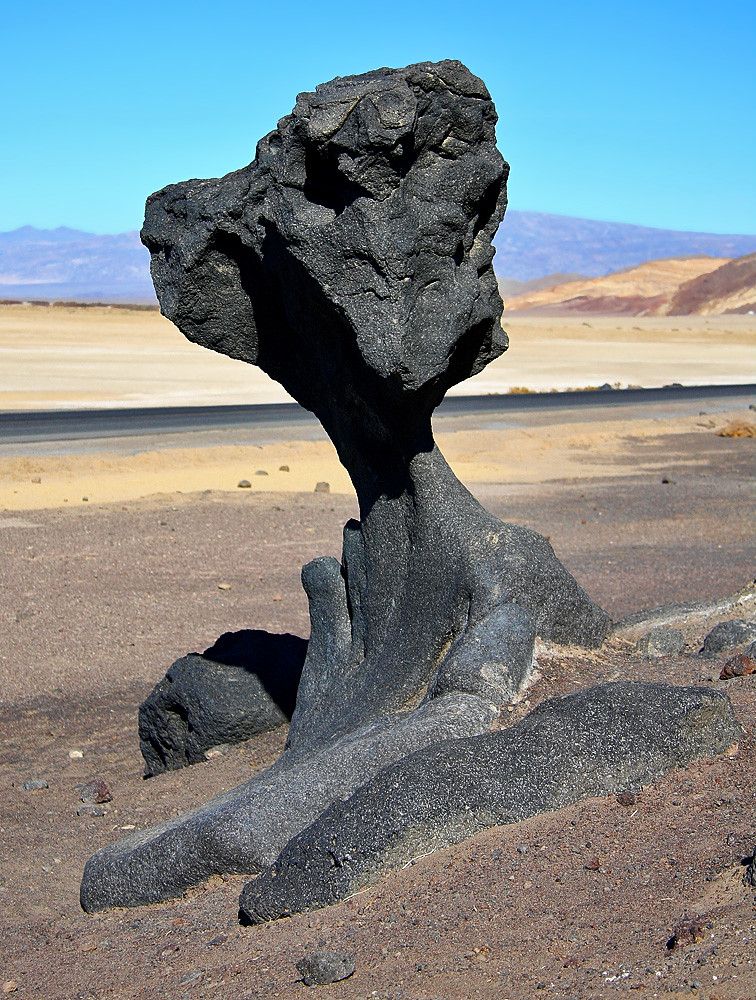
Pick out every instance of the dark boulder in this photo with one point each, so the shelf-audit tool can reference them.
(728, 635)
(245, 684)
(352, 262)
(324, 967)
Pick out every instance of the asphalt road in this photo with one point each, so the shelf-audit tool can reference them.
(22, 427)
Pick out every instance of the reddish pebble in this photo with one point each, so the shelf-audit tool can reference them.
(738, 666)
(95, 790)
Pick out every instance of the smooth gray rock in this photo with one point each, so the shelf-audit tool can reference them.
(324, 967)
(243, 830)
(35, 785)
(635, 626)
(351, 261)
(728, 635)
(245, 684)
(660, 642)
(599, 741)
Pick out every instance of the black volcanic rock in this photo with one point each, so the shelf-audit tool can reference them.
(245, 684)
(244, 830)
(351, 261)
(603, 740)
(728, 635)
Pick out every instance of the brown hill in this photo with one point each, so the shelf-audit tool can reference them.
(678, 286)
(729, 289)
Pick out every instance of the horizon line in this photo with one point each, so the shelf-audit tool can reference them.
(510, 211)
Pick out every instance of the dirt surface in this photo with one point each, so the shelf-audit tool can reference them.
(99, 599)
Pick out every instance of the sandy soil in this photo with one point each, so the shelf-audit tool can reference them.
(69, 358)
(573, 449)
(97, 599)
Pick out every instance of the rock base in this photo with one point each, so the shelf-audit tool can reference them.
(599, 741)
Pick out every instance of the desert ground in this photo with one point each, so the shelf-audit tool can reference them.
(645, 507)
(59, 357)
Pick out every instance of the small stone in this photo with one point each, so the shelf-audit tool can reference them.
(190, 977)
(90, 810)
(10, 986)
(283, 468)
(660, 642)
(35, 785)
(322, 487)
(728, 635)
(244, 484)
(75, 754)
(750, 873)
(690, 930)
(738, 666)
(220, 939)
(627, 798)
(522, 849)
(261, 472)
(95, 790)
(36, 479)
(323, 967)
(85, 499)
(668, 482)
(593, 865)
(224, 586)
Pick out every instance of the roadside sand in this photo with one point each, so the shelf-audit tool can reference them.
(535, 454)
(70, 358)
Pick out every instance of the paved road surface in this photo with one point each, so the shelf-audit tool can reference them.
(22, 427)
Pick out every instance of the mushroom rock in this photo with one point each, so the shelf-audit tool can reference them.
(352, 262)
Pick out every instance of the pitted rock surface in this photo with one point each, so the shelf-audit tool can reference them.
(603, 740)
(245, 684)
(729, 635)
(351, 261)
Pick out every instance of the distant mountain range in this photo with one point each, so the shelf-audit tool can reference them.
(701, 286)
(532, 247)
(69, 264)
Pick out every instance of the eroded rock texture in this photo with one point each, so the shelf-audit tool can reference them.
(351, 261)
(606, 739)
(245, 684)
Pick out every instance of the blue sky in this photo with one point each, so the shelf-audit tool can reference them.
(638, 112)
